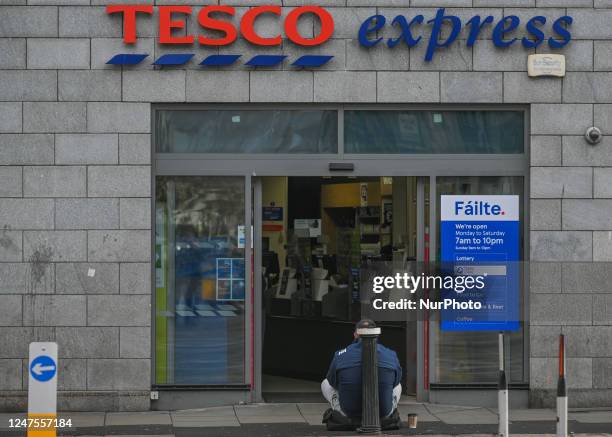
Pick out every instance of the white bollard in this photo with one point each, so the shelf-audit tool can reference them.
(561, 392)
(502, 392)
(42, 390)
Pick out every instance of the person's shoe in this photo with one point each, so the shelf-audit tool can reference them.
(336, 421)
(391, 422)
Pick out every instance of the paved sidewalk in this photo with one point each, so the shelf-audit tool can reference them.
(304, 419)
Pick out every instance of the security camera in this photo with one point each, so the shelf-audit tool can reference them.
(593, 135)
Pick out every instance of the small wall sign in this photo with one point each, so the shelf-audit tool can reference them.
(546, 65)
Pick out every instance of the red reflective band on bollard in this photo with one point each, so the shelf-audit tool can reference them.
(561, 356)
(562, 404)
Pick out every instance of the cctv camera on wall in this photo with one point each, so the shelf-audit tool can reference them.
(593, 135)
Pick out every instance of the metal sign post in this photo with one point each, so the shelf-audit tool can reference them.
(42, 390)
(561, 392)
(502, 392)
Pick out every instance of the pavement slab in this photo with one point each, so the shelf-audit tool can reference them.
(592, 417)
(271, 419)
(476, 416)
(312, 408)
(534, 435)
(529, 415)
(443, 408)
(204, 423)
(423, 413)
(269, 413)
(84, 419)
(267, 410)
(205, 418)
(304, 420)
(312, 412)
(530, 429)
(314, 420)
(142, 418)
(227, 411)
(388, 435)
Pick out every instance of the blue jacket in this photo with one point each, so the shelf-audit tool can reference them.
(344, 375)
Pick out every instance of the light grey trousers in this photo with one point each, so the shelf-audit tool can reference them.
(332, 396)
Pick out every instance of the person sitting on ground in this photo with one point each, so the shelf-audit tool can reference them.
(342, 386)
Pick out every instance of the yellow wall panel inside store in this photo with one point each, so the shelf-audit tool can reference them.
(275, 193)
(348, 195)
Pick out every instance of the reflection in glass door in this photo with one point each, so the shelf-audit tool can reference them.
(200, 280)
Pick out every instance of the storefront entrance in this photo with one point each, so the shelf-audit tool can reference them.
(264, 217)
(317, 233)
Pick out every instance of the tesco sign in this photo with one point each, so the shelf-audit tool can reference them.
(168, 24)
(438, 32)
(503, 34)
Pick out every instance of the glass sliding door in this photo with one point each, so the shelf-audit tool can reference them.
(200, 280)
(470, 357)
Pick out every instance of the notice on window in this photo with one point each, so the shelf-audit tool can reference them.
(480, 236)
(272, 213)
(230, 278)
(363, 194)
(307, 228)
(241, 237)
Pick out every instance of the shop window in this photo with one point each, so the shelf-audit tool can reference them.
(470, 357)
(426, 132)
(246, 131)
(199, 280)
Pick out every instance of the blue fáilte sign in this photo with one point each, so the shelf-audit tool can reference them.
(43, 368)
(480, 237)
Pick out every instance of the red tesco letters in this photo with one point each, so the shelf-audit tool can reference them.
(217, 18)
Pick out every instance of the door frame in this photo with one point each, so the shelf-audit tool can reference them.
(258, 314)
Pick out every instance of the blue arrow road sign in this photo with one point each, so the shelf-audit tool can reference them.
(43, 368)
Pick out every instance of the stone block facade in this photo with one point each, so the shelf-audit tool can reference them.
(75, 174)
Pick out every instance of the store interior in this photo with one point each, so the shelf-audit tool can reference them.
(318, 232)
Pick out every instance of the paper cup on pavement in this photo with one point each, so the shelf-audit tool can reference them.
(412, 420)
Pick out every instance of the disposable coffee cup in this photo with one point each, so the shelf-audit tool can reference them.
(412, 420)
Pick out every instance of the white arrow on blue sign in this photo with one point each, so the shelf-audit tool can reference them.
(43, 368)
